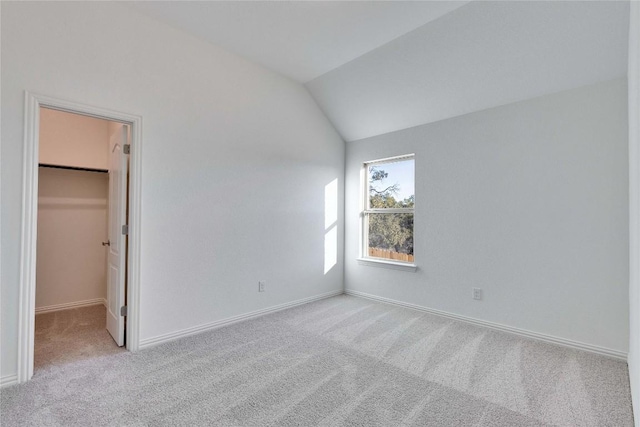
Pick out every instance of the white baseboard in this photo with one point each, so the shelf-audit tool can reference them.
(149, 342)
(68, 305)
(504, 328)
(8, 380)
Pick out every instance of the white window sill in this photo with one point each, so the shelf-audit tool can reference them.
(372, 262)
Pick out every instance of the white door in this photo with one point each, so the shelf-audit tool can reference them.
(116, 265)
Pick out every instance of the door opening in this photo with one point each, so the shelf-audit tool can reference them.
(79, 187)
(80, 262)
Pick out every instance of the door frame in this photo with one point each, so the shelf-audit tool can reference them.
(26, 314)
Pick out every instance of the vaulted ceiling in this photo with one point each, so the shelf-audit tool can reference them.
(300, 39)
(377, 67)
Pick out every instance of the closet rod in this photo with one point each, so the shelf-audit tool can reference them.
(73, 168)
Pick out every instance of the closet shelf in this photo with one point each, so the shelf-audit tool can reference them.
(74, 168)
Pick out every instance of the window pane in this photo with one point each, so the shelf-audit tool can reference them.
(391, 236)
(391, 185)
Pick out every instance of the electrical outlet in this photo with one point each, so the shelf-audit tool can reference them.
(477, 293)
(261, 286)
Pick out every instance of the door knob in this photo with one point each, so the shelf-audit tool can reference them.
(107, 243)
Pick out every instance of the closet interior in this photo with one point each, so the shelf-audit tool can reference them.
(72, 242)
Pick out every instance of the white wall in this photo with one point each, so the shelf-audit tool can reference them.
(73, 140)
(634, 207)
(72, 222)
(235, 161)
(528, 201)
(481, 55)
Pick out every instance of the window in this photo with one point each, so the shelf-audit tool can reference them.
(389, 193)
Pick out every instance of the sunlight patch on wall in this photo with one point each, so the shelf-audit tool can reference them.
(330, 226)
(330, 249)
(330, 203)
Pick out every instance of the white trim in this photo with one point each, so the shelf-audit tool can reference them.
(375, 262)
(68, 305)
(389, 211)
(26, 312)
(8, 380)
(391, 159)
(500, 327)
(160, 339)
(26, 305)
(634, 206)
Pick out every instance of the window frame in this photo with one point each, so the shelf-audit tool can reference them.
(366, 211)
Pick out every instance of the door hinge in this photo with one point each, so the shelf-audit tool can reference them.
(124, 310)
(125, 229)
(126, 148)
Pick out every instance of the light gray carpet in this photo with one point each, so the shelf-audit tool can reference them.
(69, 336)
(340, 361)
